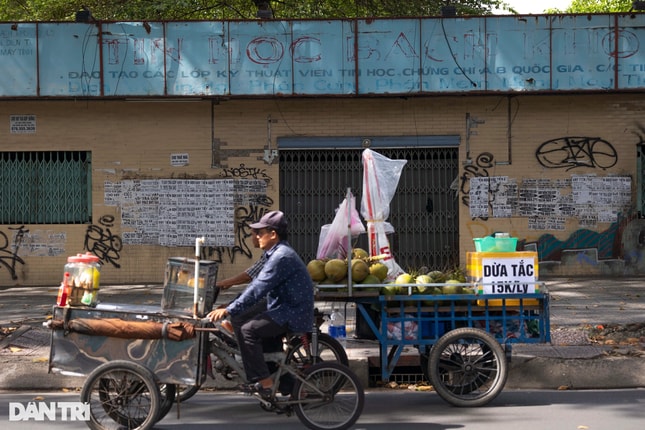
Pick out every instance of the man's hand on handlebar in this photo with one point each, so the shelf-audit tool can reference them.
(217, 314)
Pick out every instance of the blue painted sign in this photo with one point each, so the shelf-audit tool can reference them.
(18, 59)
(323, 57)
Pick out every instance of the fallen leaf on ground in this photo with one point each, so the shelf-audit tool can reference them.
(563, 387)
(15, 349)
(40, 360)
(424, 388)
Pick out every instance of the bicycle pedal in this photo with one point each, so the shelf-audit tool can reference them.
(287, 411)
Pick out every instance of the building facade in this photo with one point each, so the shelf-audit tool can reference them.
(559, 170)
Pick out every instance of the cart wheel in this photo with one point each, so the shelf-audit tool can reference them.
(330, 397)
(467, 367)
(168, 393)
(187, 391)
(121, 393)
(183, 392)
(329, 349)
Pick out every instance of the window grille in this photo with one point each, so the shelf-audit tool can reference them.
(45, 187)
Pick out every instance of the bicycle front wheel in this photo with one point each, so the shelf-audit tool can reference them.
(331, 397)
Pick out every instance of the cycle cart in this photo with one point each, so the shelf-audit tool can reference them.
(127, 353)
(464, 340)
(134, 357)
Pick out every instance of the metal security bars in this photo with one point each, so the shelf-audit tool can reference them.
(45, 187)
(424, 210)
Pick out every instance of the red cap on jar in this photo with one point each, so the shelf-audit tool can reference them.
(87, 258)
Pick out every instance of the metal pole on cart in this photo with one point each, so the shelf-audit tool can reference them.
(198, 242)
(349, 241)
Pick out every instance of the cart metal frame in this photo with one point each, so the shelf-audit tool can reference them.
(509, 318)
(173, 362)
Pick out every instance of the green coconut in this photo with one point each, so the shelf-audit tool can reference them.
(336, 269)
(371, 280)
(316, 269)
(452, 289)
(379, 270)
(359, 253)
(423, 289)
(360, 270)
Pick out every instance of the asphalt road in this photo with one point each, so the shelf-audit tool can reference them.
(392, 410)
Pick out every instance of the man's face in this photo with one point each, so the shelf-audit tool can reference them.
(254, 239)
(266, 238)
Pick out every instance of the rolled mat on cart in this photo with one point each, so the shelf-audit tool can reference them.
(114, 327)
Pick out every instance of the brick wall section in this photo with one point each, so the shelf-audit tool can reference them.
(135, 140)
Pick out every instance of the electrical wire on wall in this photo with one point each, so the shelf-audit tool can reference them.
(454, 57)
(510, 119)
(85, 75)
(125, 56)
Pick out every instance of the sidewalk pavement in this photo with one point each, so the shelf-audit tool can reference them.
(580, 308)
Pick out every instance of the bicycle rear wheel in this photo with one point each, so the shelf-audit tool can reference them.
(331, 397)
(329, 350)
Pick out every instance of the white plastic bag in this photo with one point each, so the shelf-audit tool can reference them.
(410, 330)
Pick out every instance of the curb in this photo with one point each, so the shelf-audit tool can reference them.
(524, 373)
(608, 372)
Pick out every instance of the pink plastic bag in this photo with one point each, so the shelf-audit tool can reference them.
(334, 237)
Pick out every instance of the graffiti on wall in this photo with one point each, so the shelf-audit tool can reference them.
(572, 152)
(549, 203)
(478, 168)
(100, 241)
(9, 257)
(250, 205)
(549, 248)
(244, 217)
(243, 172)
(619, 249)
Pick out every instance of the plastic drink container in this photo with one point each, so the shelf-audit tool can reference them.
(84, 271)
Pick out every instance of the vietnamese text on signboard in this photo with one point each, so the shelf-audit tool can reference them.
(324, 57)
(508, 275)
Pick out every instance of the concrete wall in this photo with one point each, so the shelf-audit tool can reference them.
(134, 140)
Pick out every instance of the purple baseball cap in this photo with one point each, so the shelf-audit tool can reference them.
(274, 220)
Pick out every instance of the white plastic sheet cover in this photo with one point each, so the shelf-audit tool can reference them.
(380, 179)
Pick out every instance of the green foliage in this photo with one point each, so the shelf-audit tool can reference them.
(175, 10)
(595, 6)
